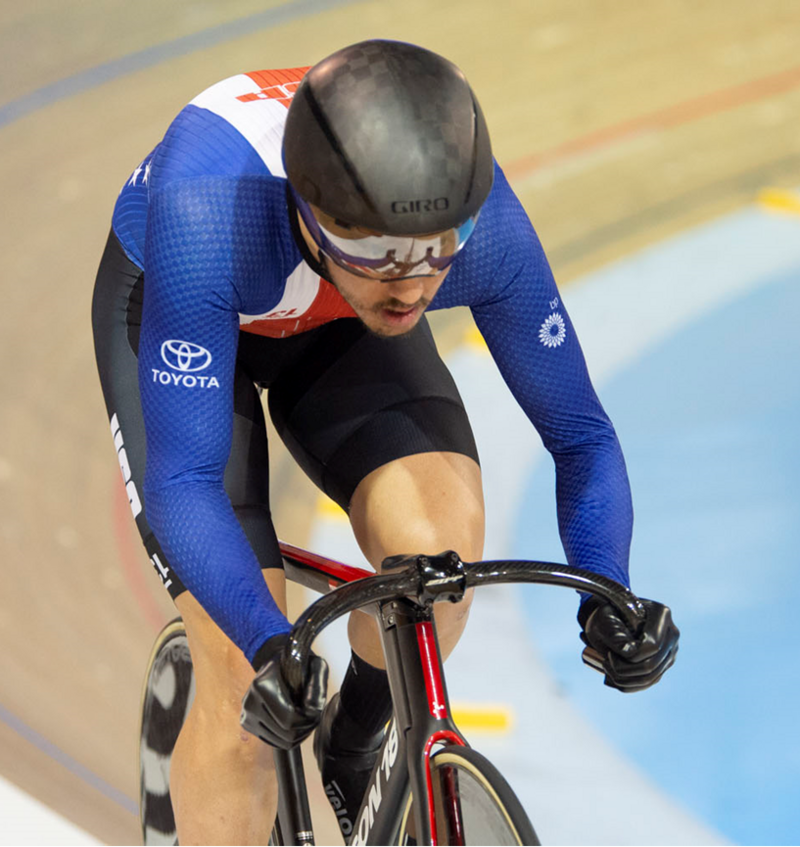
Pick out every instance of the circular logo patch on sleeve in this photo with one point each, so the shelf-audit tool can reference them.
(553, 331)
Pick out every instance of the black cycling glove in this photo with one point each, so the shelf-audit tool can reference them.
(629, 663)
(270, 710)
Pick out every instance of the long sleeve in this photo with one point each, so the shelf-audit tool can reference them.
(505, 277)
(187, 358)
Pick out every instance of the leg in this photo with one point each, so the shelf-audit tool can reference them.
(425, 503)
(379, 425)
(222, 779)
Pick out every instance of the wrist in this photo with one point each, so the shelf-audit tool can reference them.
(589, 605)
(268, 649)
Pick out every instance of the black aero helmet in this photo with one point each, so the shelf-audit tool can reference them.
(384, 141)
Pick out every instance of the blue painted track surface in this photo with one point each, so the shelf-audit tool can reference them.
(708, 420)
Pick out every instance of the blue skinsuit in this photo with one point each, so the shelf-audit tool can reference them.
(206, 216)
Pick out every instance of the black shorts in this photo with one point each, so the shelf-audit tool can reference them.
(344, 401)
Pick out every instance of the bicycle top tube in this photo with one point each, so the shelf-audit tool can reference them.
(316, 572)
(419, 581)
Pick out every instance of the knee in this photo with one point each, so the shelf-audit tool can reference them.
(452, 617)
(459, 527)
(461, 530)
(424, 503)
(222, 674)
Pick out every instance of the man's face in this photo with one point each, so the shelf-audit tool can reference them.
(386, 308)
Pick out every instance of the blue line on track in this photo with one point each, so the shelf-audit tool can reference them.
(65, 760)
(100, 74)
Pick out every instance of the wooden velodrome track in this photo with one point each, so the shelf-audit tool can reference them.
(618, 123)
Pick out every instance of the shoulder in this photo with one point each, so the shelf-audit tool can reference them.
(503, 251)
(504, 224)
(233, 127)
(236, 203)
(213, 229)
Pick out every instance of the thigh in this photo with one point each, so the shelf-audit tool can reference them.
(354, 402)
(425, 503)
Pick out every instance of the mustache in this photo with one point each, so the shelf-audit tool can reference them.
(399, 306)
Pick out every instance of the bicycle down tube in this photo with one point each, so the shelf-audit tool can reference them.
(422, 713)
(421, 720)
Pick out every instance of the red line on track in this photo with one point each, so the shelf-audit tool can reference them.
(671, 116)
(131, 564)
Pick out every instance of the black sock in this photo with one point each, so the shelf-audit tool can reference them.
(365, 699)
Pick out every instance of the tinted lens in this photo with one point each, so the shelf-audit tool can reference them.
(383, 257)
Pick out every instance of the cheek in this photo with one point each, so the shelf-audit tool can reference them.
(361, 293)
(433, 287)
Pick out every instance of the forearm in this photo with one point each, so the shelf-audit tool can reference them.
(595, 512)
(201, 536)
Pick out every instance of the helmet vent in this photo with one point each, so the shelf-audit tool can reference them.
(333, 140)
(474, 162)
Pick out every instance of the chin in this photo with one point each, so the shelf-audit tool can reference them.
(385, 331)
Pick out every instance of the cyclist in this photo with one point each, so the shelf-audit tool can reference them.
(289, 232)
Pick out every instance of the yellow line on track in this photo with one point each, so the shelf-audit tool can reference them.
(474, 340)
(780, 200)
(326, 508)
(483, 717)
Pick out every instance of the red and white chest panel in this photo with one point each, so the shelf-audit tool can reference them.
(308, 302)
(256, 104)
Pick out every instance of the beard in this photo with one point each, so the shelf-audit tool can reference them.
(380, 328)
(370, 313)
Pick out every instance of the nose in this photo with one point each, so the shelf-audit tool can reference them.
(407, 291)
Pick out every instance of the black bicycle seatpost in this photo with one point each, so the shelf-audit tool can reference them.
(293, 811)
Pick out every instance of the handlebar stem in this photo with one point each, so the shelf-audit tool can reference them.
(441, 577)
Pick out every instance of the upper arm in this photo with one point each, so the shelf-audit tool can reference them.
(189, 337)
(522, 317)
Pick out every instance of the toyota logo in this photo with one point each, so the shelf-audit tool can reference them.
(184, 356)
